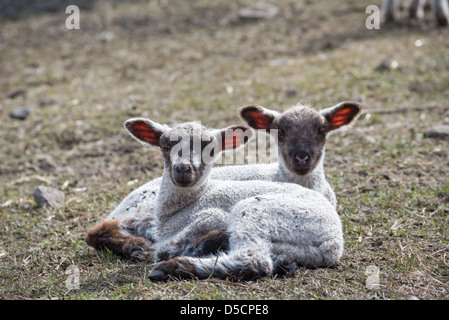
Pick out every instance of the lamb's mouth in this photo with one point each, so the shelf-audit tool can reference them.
(184, 181)
(301, 170)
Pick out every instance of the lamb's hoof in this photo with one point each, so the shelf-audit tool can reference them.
(178, 267)
(285, 267)
(156, 275)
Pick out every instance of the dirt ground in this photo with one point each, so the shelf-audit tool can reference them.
(178, 60)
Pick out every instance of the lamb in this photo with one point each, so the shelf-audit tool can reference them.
(440, 9)
(298, 125)
(302, 134)
(273, 227)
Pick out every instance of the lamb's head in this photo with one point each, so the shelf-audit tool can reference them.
(301, 130)
(189, 150)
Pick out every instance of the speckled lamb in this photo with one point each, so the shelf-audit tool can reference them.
(273, 227)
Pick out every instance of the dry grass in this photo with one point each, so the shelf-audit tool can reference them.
(191, 61)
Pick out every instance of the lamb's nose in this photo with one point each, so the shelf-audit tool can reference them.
(183, 168)
(302, 157)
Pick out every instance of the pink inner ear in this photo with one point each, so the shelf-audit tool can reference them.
(259, 121)
(233, 140)
(342, 117)
(142, 132)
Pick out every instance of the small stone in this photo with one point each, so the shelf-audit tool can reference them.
(47, 196)
(43, 102)
(277, 62)
(387, 65)
(361, 99)
(20, 114)
(363, 173)
(291, 93)
(258, 11)
(46, 162)
(15, 93)
(438, 132)
(370, 139)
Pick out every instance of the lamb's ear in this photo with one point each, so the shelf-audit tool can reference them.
(234, 136)
(145, 131)
(258, 117)
(341, 115)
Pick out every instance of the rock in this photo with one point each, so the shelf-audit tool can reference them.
(277, 62)
(438, 132)
(387, 65)
(43, 102)
(258, 11)
(46, 162)
(15, 93)
(47, 196)
(361, 99)
(20, 114)
(291, 93)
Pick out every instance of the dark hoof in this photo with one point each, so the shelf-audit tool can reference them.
(156, 275)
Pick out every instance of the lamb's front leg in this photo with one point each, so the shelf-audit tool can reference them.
(204, 236)
(211, 243)
(115, 236)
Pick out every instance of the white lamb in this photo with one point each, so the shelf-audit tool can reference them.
(273, 227)
(302, 134)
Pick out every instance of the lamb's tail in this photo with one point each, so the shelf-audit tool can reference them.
(241, 264)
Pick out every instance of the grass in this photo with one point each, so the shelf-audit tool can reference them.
(185, 62)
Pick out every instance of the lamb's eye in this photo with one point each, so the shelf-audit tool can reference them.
(321, 131)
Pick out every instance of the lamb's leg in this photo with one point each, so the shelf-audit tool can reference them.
(287, 257)
(111, 235)
(209, 244)
(242, 264)
(441, 11)
(185, 243)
